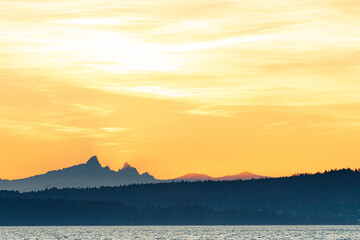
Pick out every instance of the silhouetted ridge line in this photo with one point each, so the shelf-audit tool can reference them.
(92, 174)
(89, 174)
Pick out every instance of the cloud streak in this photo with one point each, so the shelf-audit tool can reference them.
(215, 84)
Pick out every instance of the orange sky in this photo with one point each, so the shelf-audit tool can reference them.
(172, 87)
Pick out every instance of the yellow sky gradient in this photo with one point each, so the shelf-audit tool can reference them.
(173, 87)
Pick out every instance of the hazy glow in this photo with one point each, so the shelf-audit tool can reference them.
(172, 87)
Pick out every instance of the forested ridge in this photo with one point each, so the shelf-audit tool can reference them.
(331, 197)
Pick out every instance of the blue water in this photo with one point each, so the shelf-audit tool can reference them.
(181, 232)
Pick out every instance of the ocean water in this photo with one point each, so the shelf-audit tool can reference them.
(181, 232)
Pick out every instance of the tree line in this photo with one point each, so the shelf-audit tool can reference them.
(332, 197)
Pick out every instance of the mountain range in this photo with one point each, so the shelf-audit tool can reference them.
(89, 174)
(92, 174)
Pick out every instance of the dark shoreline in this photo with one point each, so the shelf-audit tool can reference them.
(330, 198)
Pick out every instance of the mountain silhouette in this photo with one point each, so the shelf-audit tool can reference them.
(92, 174)
(89, 174)
(203, 177)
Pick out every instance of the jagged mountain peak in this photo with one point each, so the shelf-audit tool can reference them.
(93, 161)
(126, 165)
(127, 169)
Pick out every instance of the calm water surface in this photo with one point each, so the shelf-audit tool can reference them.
(182, 232)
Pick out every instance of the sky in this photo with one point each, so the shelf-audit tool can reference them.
(173, 87)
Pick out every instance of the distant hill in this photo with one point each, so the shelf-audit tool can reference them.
(203, 177)
(194, 177)
(89, 174)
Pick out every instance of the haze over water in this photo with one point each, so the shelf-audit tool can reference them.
(181, 232)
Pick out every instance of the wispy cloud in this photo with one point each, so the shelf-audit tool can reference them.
(104, 21)
(158, 90)
(208, 111)
(114, 129)
(93, 109)
(191, 82)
